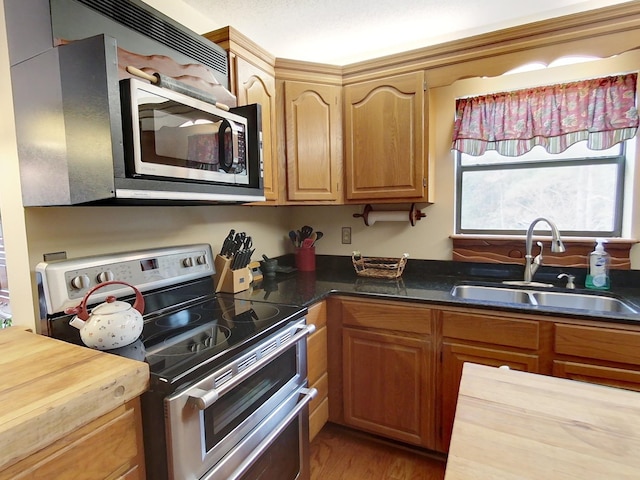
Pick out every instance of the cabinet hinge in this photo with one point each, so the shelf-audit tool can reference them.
(424, 182)
(440, 356)
(424, 85)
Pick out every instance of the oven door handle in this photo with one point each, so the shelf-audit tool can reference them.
(203, 399)
(308, 395)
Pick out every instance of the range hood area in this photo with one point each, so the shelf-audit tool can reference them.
(65, 71)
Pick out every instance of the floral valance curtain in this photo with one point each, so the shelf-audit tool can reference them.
(601, 111)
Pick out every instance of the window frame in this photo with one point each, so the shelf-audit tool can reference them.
(619, 160)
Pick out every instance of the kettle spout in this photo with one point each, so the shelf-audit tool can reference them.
(77, 322)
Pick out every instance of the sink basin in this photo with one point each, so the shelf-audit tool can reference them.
(579, 301)
(491, 294)
(566, 300)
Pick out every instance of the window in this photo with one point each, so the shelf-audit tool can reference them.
(580, 189)
(556, 151)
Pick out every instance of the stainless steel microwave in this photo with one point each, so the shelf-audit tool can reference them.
(169, 136)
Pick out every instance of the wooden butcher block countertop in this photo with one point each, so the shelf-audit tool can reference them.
(49, 388)
(517, 425)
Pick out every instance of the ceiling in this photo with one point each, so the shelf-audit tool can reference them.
(340, 32)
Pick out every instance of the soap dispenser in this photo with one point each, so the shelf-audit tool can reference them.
(598, 276)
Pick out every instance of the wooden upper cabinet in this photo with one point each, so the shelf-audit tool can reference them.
(254, 85)
(313, 131)
(252, 80)
(385, 139)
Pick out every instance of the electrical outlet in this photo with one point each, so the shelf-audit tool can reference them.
(346, 235)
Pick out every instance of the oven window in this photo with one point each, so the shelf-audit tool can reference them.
(233, 408)
(281, 460)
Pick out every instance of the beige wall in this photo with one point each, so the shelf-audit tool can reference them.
(92, 230)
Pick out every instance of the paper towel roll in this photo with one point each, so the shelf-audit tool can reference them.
(370, 216)
(387, 216)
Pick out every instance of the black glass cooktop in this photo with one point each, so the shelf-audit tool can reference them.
(202, 335)
(189, 330)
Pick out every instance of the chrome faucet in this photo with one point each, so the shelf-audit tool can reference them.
(531, 263)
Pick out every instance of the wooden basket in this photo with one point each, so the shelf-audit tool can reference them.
(379, 267)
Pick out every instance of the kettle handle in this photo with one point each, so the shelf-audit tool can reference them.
(81, 310)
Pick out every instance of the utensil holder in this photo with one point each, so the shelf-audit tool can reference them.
(306, 259)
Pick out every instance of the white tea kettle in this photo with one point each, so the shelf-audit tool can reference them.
(112, 324)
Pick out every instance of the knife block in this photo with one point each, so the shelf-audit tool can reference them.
(230, 281)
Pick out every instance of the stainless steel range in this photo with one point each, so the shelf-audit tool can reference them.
(228, 396)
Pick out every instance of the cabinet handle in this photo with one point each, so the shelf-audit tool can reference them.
(504, 367)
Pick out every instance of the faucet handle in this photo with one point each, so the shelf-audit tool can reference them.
(570, 279)
(538, 258)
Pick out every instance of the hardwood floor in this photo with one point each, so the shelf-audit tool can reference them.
(338, 453)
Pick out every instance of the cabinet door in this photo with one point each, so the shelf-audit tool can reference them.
(386, 389)
(385, 138)
(254, 85)
(313, 129)
(453, 357)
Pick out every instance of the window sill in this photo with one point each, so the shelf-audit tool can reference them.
(511, 249)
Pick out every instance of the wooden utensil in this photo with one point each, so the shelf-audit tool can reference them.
(177, 86)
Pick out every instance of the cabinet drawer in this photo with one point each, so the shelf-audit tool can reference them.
(403, 317)
(509, 332)
(318, 419)
(317, 315)
(613, 377)
(317, 355)
(322, 385)
(598, 343)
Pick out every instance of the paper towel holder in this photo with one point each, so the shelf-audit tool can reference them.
(413, 215)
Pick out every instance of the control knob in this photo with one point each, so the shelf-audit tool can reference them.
(187, 262)
(81, 281)
(202, 259)
(105, 276)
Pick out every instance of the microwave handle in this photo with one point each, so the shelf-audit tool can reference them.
(228, 158)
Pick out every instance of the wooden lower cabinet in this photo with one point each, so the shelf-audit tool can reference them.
(108, 448)
(317, 368)
(395, 367)
(454, 355)
(479, 337)
(388, 372)
(386, 376)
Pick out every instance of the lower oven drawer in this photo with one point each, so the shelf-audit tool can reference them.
(277, 449)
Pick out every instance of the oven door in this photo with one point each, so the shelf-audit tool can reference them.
(277, 449)
(245, 406)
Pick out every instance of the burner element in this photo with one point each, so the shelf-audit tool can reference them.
(264, 313)
(196, 339)
(178, 319)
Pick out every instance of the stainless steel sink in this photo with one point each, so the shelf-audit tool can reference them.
(566, 300)
(491, 294)
(599, 303)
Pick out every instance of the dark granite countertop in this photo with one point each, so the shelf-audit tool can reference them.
(431, 281)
